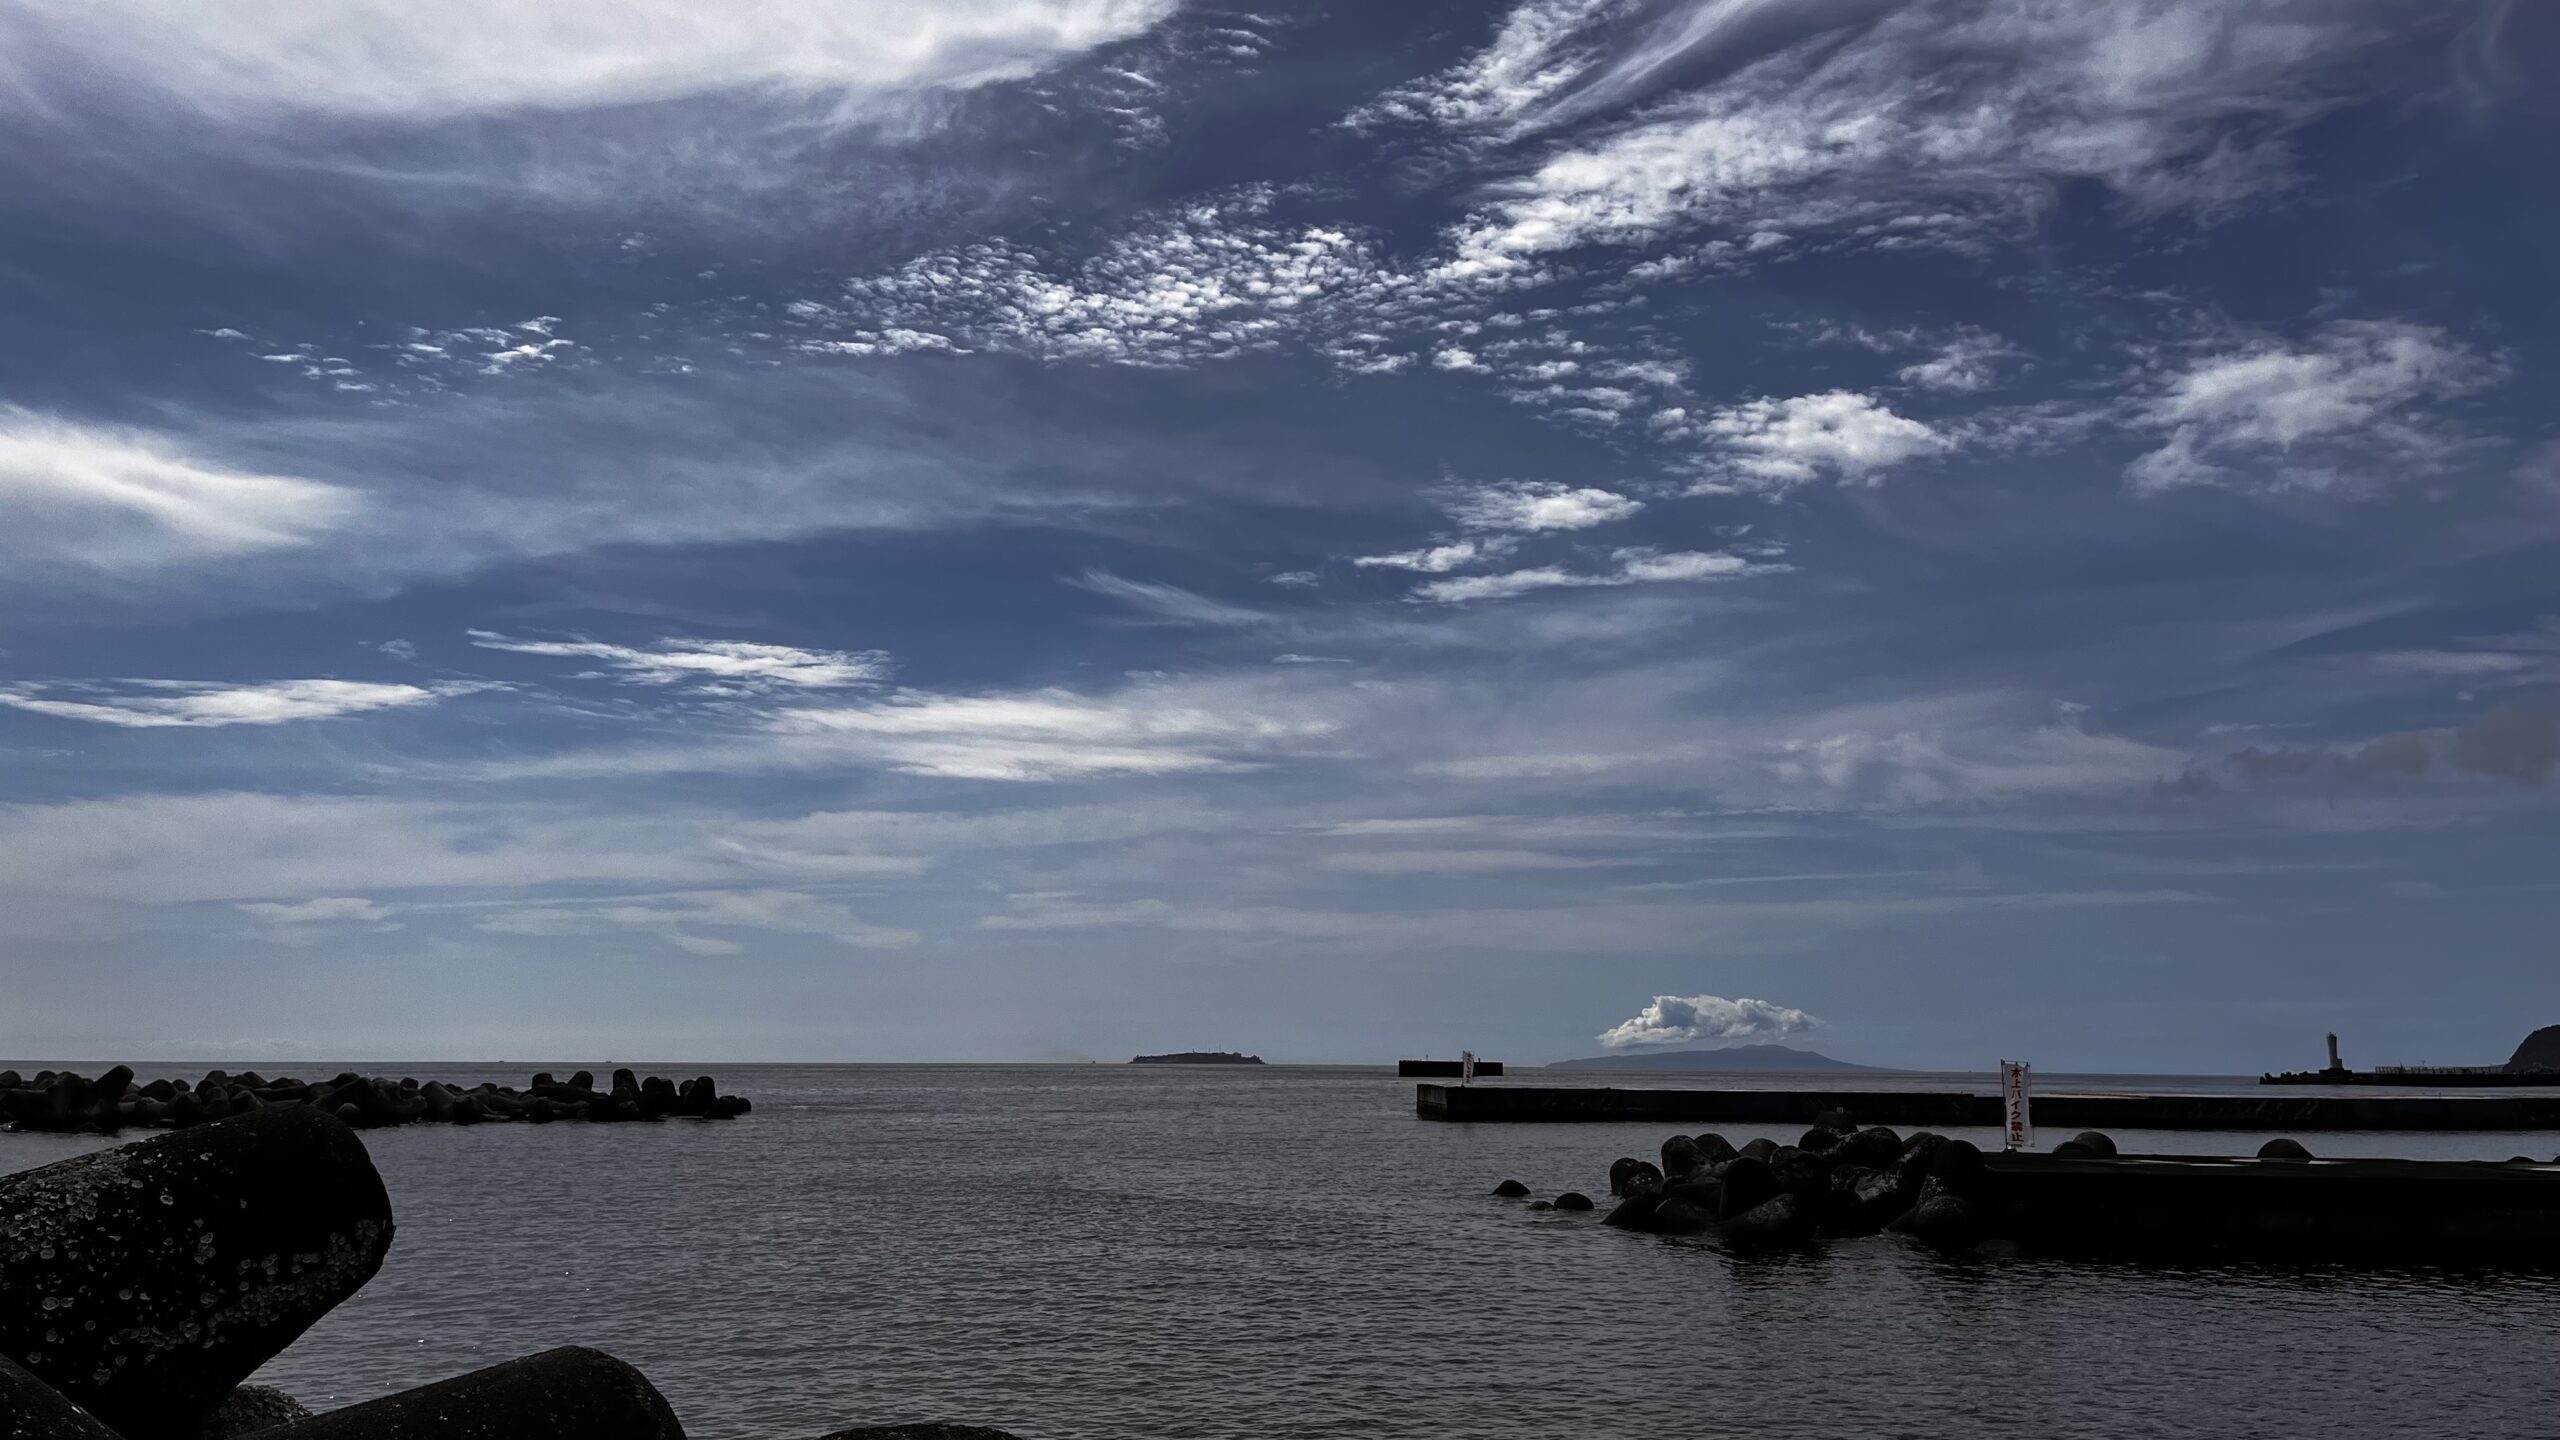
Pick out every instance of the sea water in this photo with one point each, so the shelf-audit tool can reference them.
(1086, 1253)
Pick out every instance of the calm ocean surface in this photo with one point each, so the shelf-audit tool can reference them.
(1085, 1253)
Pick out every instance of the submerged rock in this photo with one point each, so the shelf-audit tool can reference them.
(920, 1432)
(571, 1393)
(1573, 1200)
(150, 1280)
(2282, 1148)
(1510, 1189)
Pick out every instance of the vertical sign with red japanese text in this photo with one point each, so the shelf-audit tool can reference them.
(2013, 1090)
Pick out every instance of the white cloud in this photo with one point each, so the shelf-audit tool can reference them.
(1169, 603)
(116, 500)
(1505, 585)
(719, 665)
(329, 910)
(1450, 862)
(1146, 729)
(674, 917)
(1775, 444)
(1967, 362)
(1206, 281)
(1440, 559)
(1636, 566)
(2273, 416)
(162, 704)
(1534, 505)
(1670, 1019)
(1927, 123)
(388, 59)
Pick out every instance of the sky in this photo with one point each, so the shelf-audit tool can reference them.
(1933, 530)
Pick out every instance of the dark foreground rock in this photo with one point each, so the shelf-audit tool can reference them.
(252, 1409)
(571, 1393)
(148, 1281)
(32, 1410)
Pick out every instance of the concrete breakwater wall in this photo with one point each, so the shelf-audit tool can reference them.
(1449, 1069)
(2259, 1112)
(1837, 1182)
(61, 1100)
(141, 1286)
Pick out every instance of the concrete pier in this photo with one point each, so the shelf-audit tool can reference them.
(2363, 1208)
(2275, 1113)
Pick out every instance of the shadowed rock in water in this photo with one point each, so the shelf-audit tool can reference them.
(571, 1393)
(198, 1255)
(920, 1433)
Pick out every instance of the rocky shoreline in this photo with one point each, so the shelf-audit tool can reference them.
(62, 1100)
(140, 1287)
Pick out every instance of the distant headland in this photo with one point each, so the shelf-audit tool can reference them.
(1197, 1057)
(1776, 1059)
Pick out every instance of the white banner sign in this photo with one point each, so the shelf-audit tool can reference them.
(1466, 1067)
(2013, 1089)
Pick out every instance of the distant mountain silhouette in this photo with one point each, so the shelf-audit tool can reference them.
(2540, 1051)
(1763, 1058)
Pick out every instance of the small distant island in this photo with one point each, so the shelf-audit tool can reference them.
(1197, 1057)
(1775, 1059)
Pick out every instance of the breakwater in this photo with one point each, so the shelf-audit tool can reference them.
(1444, 1069)
(63, 1100)
(1837, 1182)
(141, 1286)
(1958, 1109)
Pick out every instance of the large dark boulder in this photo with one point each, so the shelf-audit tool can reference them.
(1713, 1149)
(1679, 1155)
(198, 1255)
(2281, 1148)
(1779, 1220)
(1627, 1170)
(1760, 1149)
(1862, 1201)
(1748, 1181)
(1947, 1213)
(1679, 1217)
(1642, 1194)
(571, 1393)
(32, 1410)
(1573, 1200)
(1876, 1147)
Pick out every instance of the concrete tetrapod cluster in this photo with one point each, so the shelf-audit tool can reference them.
(140, 1286)
(2085, 1196)
(64, 1100)
(1834, 1182)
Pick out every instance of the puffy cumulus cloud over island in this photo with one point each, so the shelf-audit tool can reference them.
(871, 529)
(1671, 1019)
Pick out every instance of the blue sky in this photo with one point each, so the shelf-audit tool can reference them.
(1050, 528)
